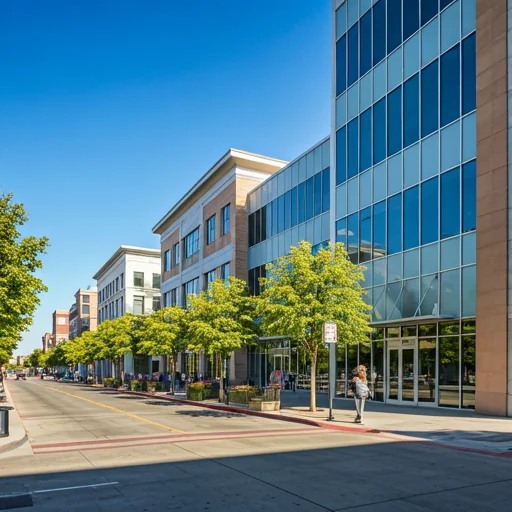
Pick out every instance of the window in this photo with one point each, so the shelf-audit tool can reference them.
(412, 110)
(341, 157)
(210, 277)
(117, 284)
(326, 190)
(450, 86)
(86, 299)
(353, 147)
(122, 280)
(224, 271)
(250, 228)
(293, 193)
(353, 237)
(280, 214)
(268, 220)
(275, 217)
(210, 230)
(287, 210)
(395, 121)
(174, 297)
(191, 243)
(317, 204)
(309, 198)
(449, 371)
(379, 229)
(341, 232)
(365, 136)
(429, 98)
(469, 196)
(138, 279)
(411, 218)
(411, 17)
(468, 371)
(226, 212)
(138, 305)
(121, 306)
(341, 65)
(394, 226)
(394, 24)
(469, 74)
(263, 227)
(117, 308)
(365, 243)
(156, 303)
(379, 31)
(379, 130)
(85, 324)
(428, 10)
(429, 211)
(301, 203)
(450, 203)
(85, 309)
(353, 55)
(156, 281)
(365, 58)
(167, 260)
(61, 320)
(190, 288)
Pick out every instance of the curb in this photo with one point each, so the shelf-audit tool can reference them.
(16, 443)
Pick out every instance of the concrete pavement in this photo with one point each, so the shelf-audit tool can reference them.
(93, 450)
(17, 436)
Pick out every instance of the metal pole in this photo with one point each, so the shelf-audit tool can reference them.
(332, 377)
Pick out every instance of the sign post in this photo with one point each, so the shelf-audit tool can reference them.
(330, 339)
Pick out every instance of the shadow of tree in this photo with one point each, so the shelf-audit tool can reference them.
(208, 413)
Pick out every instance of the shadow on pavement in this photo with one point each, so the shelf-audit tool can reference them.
(208, 413)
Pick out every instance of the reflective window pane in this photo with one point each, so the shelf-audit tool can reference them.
(301, 203)
(430, 156)
(429, 99)
(409, 300)
(287, 210)
(309, 198)
(412, 56)
(469, 74)
(427, 370)
(449, 371)
(341, 20)
(326, 190)
(317, 204)
(450, 203)
(379, 229)
(450, 146)
(429, 259)
(341, 232)
(429, 42)
(412, 110)
(469, 249)
(450, 289)
(280, 213)
(429, 295)
(395, 67)
(468, 16)
(469, 196)
(395, 268)
(365, 241)
(353, 237)
(395, 174)
(450, 254)
(353, 147)
(353, 55)
(411, 165)
(379, 182)
(379, 272)
(411, 263)
(352, 12)
(365, 59)
(395, 121)
(411, 17)
(365, 189)
(411, 218)
(428, 10)
(468, 371)
(341, 65)
(379, 131)
(394, 24)
(365, 92)
(353, 195)
(379, 81)
(450, 26)
(429, 211)
(469, 291)
(353, 102)
(379, 31)
(450, 86)
(394, 225)
(293, 193)
(341, 201)
(365, 158)
(341, 156)
(469, 137)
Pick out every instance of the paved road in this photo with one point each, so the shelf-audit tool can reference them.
(96, 450)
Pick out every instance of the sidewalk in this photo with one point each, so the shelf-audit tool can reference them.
(452, 428)
(17, 438)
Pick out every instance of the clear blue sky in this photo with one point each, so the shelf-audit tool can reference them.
(111, 109)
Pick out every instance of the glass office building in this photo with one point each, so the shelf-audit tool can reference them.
(404, 174)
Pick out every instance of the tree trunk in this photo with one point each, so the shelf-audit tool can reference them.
(221, 383)
(312, 394)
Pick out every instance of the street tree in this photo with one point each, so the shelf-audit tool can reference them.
(164, 333)
(222, 319)
(302, 291)
(55, 357)
(19, 287)
(34, 359)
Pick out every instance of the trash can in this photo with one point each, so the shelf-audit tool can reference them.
(4, 422)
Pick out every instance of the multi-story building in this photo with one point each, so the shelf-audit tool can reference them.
(204, 237)
(47, 341)
(60, 330)
(419, 88)
(129, 282)
(83, 313)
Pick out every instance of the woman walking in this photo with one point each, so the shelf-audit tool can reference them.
(361, 392)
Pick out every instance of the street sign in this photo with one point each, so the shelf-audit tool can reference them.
(330, 332)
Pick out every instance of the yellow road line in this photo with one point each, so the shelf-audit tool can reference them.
(115, 410)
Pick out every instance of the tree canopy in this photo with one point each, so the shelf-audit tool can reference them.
(302, 291)
(19, 287)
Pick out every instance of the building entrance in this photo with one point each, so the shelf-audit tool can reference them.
(402, 374)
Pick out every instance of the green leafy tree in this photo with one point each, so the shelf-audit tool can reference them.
(222, 319)
(164, 333)
(34, 359)
(55, 357)
(302, 291)
(19, 287)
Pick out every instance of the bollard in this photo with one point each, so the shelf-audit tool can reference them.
(4, 422)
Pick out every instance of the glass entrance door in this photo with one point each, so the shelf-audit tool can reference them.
(402, 372)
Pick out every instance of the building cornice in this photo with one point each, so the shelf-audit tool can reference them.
(124, 250)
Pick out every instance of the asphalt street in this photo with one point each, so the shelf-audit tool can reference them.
(96, 450)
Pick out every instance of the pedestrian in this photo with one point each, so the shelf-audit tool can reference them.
(291, 380)
(183, 380)
(177, 378)
(361, 392)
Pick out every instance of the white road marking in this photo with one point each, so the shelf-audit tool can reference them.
(59, 489)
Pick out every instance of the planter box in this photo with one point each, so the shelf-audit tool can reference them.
(256, 404)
